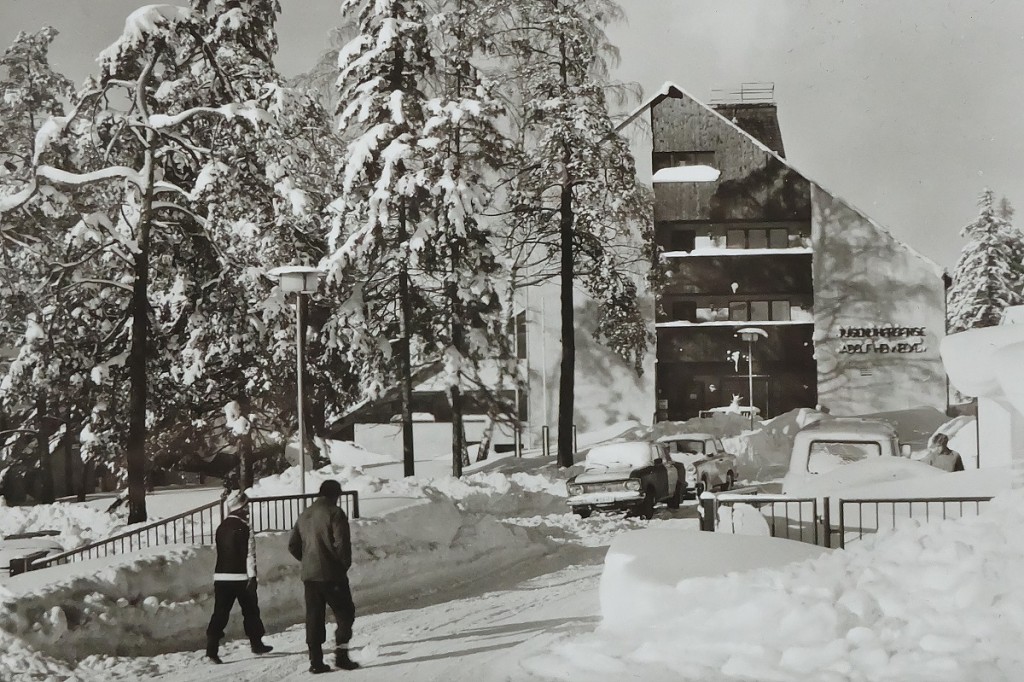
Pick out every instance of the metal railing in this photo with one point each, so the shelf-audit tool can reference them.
(810, 519)
(870, 513)
(792, 518)
(198, 527)
(279, 513)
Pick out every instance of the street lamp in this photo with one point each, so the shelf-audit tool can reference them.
(302, 280)
(750, 335)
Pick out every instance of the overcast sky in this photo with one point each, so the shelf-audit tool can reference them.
(907, 109)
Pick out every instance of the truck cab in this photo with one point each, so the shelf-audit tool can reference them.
(841, 449)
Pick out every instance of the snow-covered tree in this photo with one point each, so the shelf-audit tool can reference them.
(987, 278)
(383, 199)
(578, 196)
(186, 187)
(31, 93)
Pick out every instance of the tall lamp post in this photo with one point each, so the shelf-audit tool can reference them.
(302, 280)
(750, 335)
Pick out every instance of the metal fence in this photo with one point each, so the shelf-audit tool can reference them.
(196, 527)
(810, 519)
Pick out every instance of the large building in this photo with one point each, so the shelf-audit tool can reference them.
(853, 316)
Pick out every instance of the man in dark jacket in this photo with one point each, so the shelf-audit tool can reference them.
(234, 578)
(321, 541)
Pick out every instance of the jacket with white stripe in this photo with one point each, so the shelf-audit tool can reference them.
(236, 550)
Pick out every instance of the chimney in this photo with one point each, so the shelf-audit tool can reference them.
(752, 108)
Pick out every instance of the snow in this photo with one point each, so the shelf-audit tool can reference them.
(154, 21)
(726, 251)
(694, 173)
(489, 578)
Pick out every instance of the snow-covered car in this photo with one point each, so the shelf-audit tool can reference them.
(632, 476)
(835, 453)
(32, 545)
(707, 463)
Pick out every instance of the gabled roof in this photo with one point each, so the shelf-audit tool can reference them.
(669, 89)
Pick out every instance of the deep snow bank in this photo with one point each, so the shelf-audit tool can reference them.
(934, 602)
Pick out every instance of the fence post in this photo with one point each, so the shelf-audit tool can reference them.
(708, 510)
(575, 446)
(826, 522)
(545, 440)
(517, 439)
(842, 526)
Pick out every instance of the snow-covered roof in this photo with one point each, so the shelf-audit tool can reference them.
(669, 89)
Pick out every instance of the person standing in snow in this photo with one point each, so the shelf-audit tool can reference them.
(321, 540)
(941, 456)
(234, 578)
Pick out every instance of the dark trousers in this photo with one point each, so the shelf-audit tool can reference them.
(320, 595)
(225, 593)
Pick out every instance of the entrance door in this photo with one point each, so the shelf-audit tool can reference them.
(739, 385)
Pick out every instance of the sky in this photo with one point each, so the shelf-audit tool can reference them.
(905, 109)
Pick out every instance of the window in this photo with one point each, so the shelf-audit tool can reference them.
(684, 310)
(735, 239)
(683, 240)
(825, 456)
(759, 310)
(738, 311)
(778, 239)
(780, 310)
(521, 335)
(757, 239)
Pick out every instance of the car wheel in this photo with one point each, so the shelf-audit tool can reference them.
(582, 512)
(647, 507)
(702, 485)
(730, 479)
(677, 496)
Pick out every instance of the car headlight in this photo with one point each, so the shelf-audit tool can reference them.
(632, 484)
(575, 489)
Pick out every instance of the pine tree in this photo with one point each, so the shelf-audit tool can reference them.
(170, 162)
(579, 193)
(986, 279)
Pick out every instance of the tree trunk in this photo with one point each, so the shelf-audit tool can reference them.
(567, 373)
(44, 428)
(136, 455)
(405, 355)
(484, 448)
(459, 454)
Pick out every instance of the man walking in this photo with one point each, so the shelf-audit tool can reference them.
(321, 541)
(234, 578)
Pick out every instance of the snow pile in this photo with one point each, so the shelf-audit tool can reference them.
(932, 602)
(76, 524)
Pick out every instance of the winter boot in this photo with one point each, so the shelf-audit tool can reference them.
(212, 646)
(316, 660)
(258, 647)
(342, 660)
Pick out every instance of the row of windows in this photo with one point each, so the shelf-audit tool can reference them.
(737, 311)
(756, 238)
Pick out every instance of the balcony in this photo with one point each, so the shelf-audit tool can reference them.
(720, 245)
(741, 313)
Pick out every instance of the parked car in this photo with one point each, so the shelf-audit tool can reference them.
(708, 465)
(632, 476)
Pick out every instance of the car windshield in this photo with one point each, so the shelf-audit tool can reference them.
(694, 446)
(826, 455)
(619, 454)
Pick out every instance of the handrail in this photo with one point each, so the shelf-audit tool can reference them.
(268, 514)
(131, 535)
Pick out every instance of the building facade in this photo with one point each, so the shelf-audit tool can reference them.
(852, 315)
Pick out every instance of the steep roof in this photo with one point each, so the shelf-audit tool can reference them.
(669, 89)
